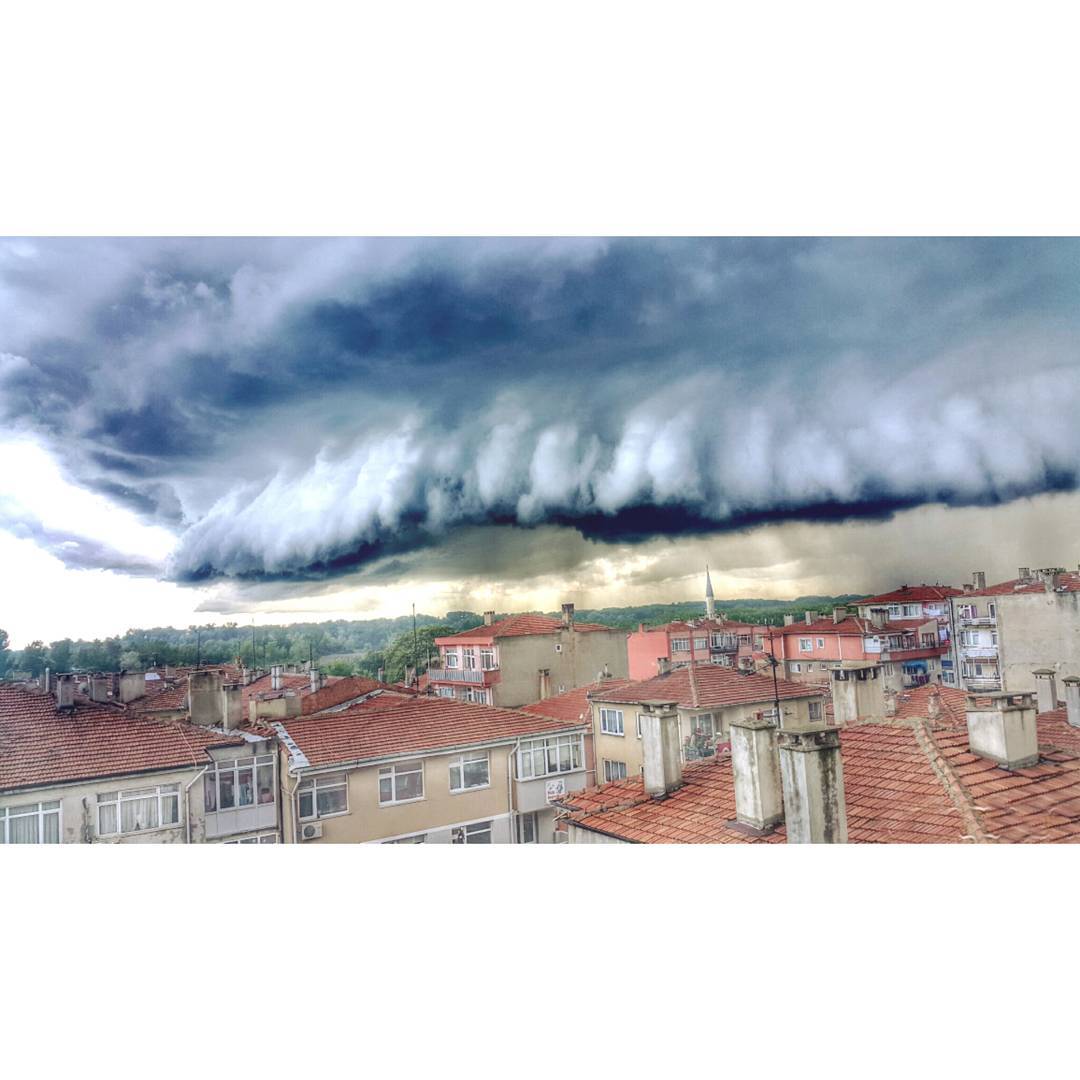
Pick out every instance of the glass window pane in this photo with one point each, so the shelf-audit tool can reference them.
(564, 757)
(266, 783)
(138, 814)
(410, 785)
(107, 819)
(210, 792)
(455, 777)
(306, 804)
(331, 800)
(576, 753)
(170, 809)
(108, 796)
(23, 829)
(245, 792)
(226, 790)
(51, 826)
(386, 789)
(476, 773)
(270, 838)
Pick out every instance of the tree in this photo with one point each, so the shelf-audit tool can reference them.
(5, 653)
(61, 654)
(34, 658)
(399, 654)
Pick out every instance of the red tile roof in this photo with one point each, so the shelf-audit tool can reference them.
(340, 691)
(915, 704)
(914, 782)
(379, 728)
(517, 626)
(574, 704)
(911, 594)
(716, 685)
(1069, 582)
(39, 746)
(682, 626)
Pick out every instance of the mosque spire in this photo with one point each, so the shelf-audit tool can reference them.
(710, 603)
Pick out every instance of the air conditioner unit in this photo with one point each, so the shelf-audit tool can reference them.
(311, 832)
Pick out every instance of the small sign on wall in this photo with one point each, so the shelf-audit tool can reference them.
(555, 789)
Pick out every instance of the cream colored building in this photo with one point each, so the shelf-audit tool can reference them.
(708, 698)
(426, 770)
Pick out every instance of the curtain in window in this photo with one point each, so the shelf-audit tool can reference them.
(137, 814)
(226, 790)
(51, 828)
(107, 819)
(170, 809)
(210, 792)
(245, 795)
(23, 830)
(266, 783)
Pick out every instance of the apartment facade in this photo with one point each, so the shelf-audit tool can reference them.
(707, 697)
(715, 641)
(915, 602)
(1008, 630)
(510, 662)
(396, 769)
(79, 771)
(910, 651)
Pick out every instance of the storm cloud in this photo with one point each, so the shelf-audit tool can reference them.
(297, 409)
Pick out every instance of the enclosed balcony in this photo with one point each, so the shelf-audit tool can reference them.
(979, 652)
(977, 620)
(472, 676)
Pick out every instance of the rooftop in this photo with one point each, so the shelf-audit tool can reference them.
(392, 726)
(911, 594)
(574, 704)
(517, 626)
(1068, 581)
(40, 746)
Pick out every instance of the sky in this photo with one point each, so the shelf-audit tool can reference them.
(200, 430)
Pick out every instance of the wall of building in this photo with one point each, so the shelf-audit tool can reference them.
(581, 657)
(644, 648)
(587, 836)
(1037, 630)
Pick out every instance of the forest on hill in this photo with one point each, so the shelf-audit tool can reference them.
(343, 646)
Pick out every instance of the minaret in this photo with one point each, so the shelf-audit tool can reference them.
(710, 603)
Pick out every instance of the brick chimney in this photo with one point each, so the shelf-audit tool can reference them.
(1072, 700)
(1001, 727)
(1046, 689)
(661, 748)
(489, 617)
(812, 774)
(568, 615)
(755, 764)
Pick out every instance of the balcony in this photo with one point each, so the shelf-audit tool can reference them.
(472, 676)
(979, 652)
(978, 620)
(981, 682)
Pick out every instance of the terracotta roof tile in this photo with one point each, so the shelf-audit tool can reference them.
(517, 626)
(574, 704)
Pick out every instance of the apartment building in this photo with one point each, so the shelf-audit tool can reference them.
(1008, 630)
(408, 769)
(707, 699)
(915, 602)
(74, 770)
(510, 662)
(910, 651)
(715, 641)
(949, 768)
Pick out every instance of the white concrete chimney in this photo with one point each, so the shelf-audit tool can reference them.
(661, 748)
(232, 705)
(839, 614)
(789, 620)
(65, 691)
(568, 615)
(316, 679)
(1072, 700)
(204, 698)
(1002, 728)
(812, 774)
(808, 616)
(978, 580)
(1046, 689)
(489, 617)
(132, 685)
(755, 764)
(933, 705)
(275, 677)
(46, 681)
(1024, 573)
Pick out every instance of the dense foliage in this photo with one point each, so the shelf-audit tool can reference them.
(344, 646)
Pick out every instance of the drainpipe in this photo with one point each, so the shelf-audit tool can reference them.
(187, 803)
(510, 790)
(294, 803)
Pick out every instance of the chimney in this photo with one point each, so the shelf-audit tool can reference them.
(103, 688)
(755, 763)
(545, 683)
(839, 614)
(1001, 727)
(204, 698)
(661, 749)
(380, 675)
(663, 665)
(232, 705)
(890, 703)
(1072, 700)
(809, 617)
(46, 681)
(879, 616)
(568, 615)
(812, 775)
(65, 691)
(132, 685)
(1024, 573)
(316, 678)
(410, 675)
(933, 705)
(1051, 579)
(275, 677)
(489, 617)
(1046, 689)
(978, 580)
(789, 620)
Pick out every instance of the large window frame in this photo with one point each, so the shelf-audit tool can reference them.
(680, 644)
(461, 765)
(477, 832)
(396, 776)
(48, 817)
(126, 816)
(239, 783)
(450, 659)
(806, 644)
(556, 753)
(612, 722)
(528, 828)
(322, 794)
(614, 770)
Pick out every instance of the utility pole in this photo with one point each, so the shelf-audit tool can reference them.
(253, 660)
(414, 643)
(774, 663)
(198, 647)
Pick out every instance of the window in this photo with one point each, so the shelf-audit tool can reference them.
(445, 691)
(993, 637)
(228, 785)
(821, 643)
(477, 695)
(401, 782)
(487, 659)
(705, 723)
(815, 710)
(991, 610)
(911, 611)
(967, 611)
(469, 656)
(138, 810)
(470, 771)
(31, 823)
(805, 644)
(797, 668)
(699, 644)
(322, 796)
(450, 658)
(614, 770)
(680, 644)
(527, 833)
(258, 838)
(477, 833)
(419, 838)
(611, 721)
(556, 754)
